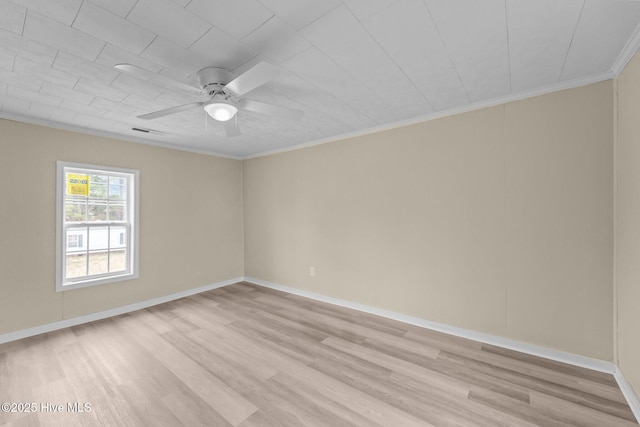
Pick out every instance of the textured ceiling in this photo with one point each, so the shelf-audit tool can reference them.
(351, 65)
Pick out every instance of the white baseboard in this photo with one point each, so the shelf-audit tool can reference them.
(536, 350)
(37, 330)
(532, 349)
(628, 392)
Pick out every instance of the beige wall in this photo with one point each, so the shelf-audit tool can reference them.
(628, 223)
(497, 220)
(190, 222)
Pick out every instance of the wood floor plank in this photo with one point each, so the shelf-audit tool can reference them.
(434, 379)
(551, 386)
(315, 396)
(435, 406)
(520, 410)
(245, 355)
(575, 371)
(575, 414)
(277, 397)
(220, 364)
(376, 410)
(190, 410)
(539, 371)
(227, 402)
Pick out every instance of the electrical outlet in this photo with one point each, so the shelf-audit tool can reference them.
(312, 271)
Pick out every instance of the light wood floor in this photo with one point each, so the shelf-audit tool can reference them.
(249, 356)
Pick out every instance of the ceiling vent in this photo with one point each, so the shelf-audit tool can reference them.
(151, 131)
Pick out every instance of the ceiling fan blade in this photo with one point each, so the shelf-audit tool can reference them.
(172, 110)
(231, 127)
(270, 110)
(258, 75)
(143, 74)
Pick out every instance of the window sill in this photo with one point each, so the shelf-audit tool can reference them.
(61, 287)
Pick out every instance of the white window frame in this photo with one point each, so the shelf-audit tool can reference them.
(132, 223)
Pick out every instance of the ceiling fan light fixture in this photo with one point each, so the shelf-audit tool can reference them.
(221, 111)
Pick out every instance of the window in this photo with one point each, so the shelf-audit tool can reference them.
(74, 241)
(97, 225)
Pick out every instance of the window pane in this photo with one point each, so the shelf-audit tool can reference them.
(118, 260)
(98, 262)
(76, 240)
(75, 210)
(118, 237)
(117, 188)
(98, 186)
(77, 184)
(76, 265)
(117, 211)
(97, 210)
(98, 238)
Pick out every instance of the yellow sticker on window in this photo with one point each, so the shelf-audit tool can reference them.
(77, 185)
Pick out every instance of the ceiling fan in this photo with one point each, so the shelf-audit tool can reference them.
(224, 91)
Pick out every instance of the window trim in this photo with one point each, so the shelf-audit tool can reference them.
(134, 235)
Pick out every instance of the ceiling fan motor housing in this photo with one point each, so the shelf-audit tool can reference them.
(213, 79)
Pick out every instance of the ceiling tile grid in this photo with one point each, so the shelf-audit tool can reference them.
(73, 65)
(169, 20)
(119, 7)
(237, 18)
(6, 61)
(12, 17)
(408, 35)
(539, 61)
(604, 27)
(63, 11)
(108, 26)
(350, 66)
(55, 35)
(474, 33)
(15, 45)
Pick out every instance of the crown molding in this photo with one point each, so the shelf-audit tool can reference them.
(570, 84)
(105, 134)
(627, 53)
